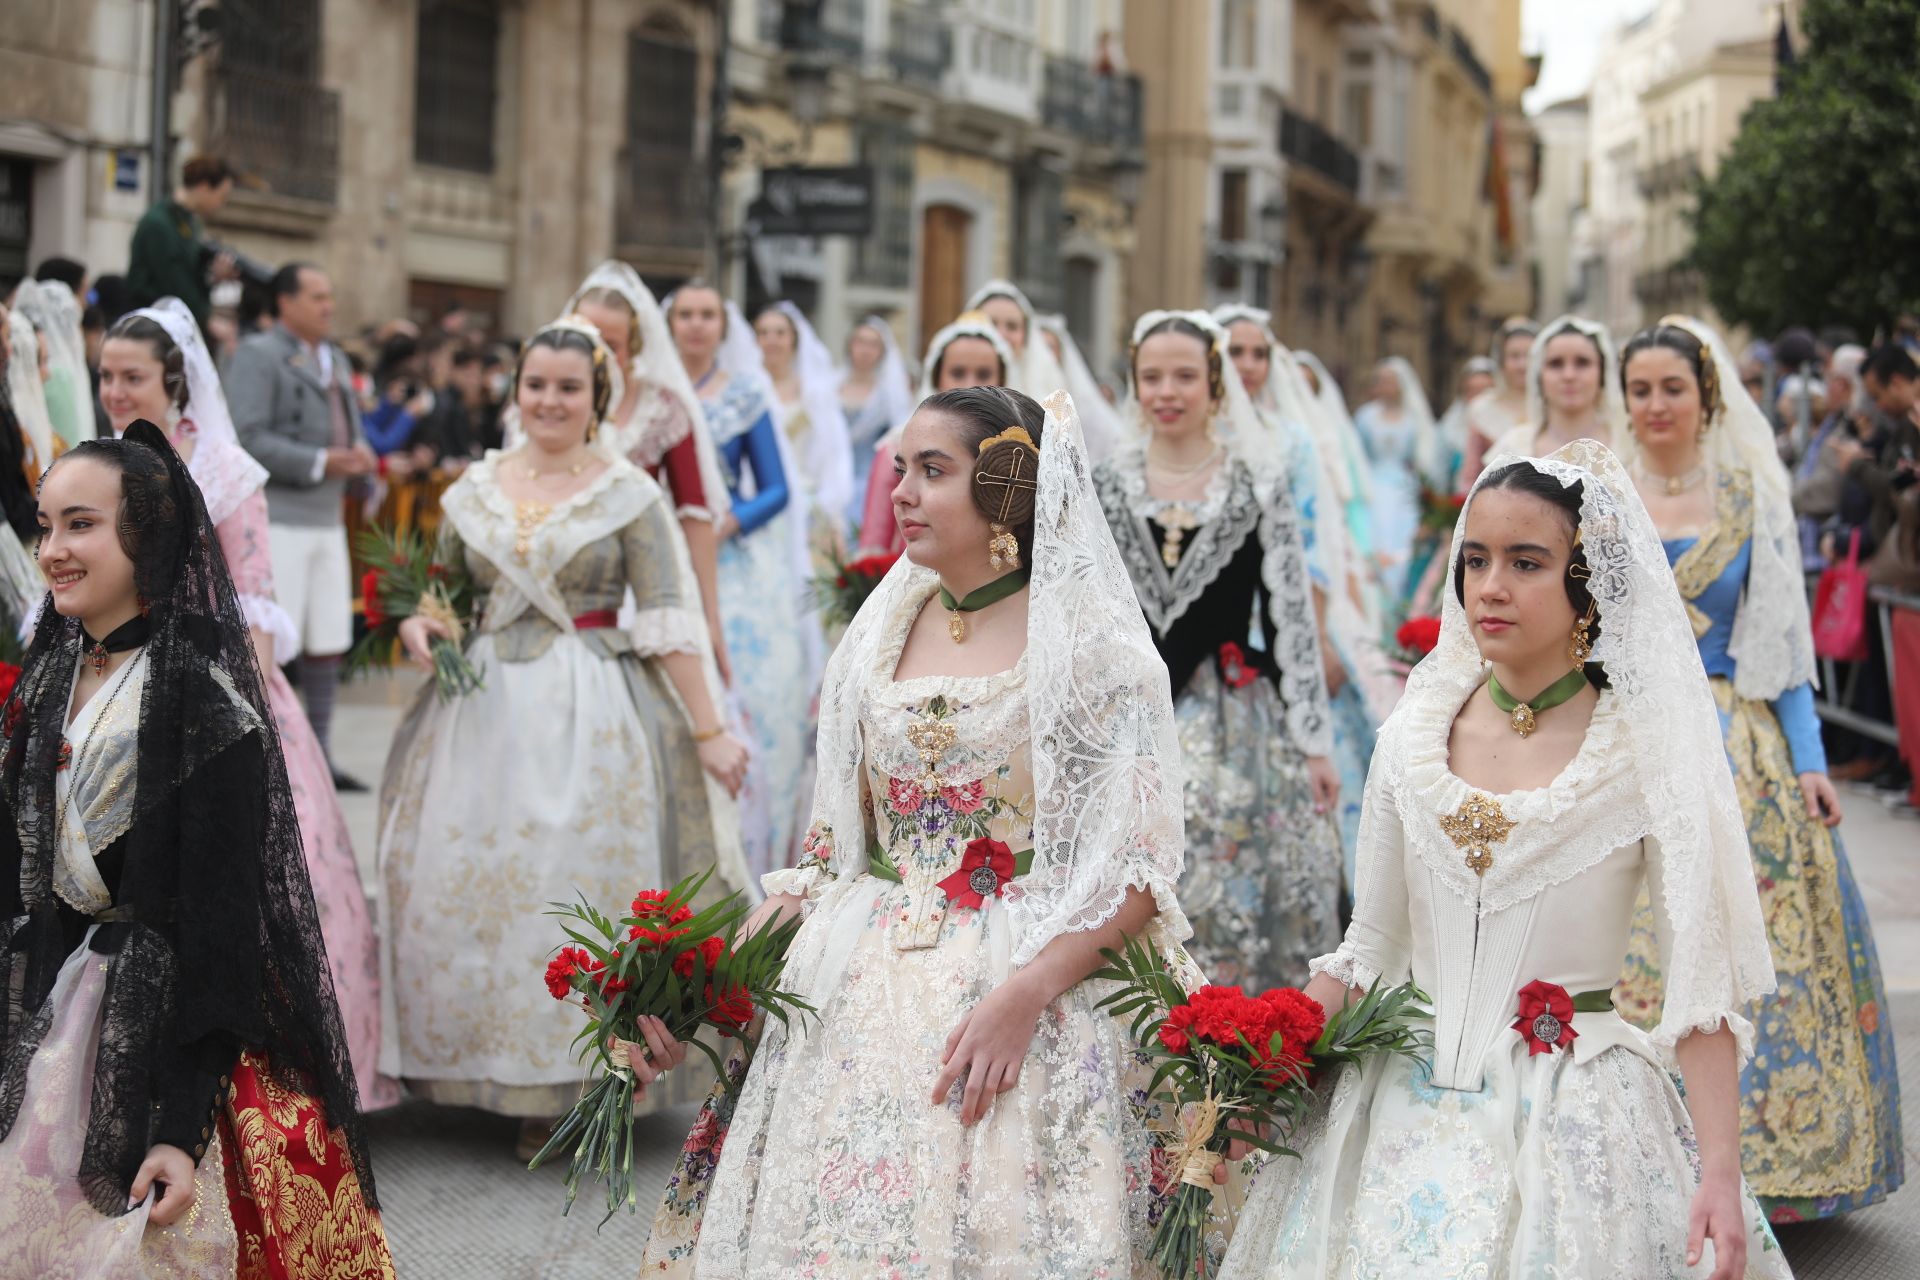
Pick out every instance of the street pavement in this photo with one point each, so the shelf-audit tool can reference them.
(459, 1207)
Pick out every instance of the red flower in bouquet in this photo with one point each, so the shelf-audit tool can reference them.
(1546, 1017)
(562, 968)
(1418, 635)
(985, 869)
(708, 952)
(874, 566)
(1173, 1032)
(732, 1009)
(370, 582)
(1234, 668)
(9, 676)
(1295, 1017)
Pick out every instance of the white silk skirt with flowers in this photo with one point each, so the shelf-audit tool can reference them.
(1553, 1167)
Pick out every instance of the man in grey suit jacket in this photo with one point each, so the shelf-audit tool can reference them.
(291, 393)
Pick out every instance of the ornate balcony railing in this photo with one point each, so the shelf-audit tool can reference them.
(920, 47)
(1100, 109)
(1307, 144)
(284, 133)
(1469, 61)
(662, 198)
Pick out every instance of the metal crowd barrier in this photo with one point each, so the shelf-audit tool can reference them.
(1835, 695)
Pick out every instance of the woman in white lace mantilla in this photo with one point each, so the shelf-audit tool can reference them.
(1501, 407)
(1206, 524)
(592, 761)
(998, 800)
(1556, 752)
(1573, 392)
(806, 386)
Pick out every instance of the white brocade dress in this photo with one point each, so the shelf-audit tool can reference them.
(835, 1163)
(1494, 1161)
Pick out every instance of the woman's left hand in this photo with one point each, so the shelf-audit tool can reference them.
(1326, 784)
(1823, 802)
(988, 1048)
(1718, 1215)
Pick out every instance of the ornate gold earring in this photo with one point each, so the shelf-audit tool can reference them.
(1580, 646)
(1003, 549)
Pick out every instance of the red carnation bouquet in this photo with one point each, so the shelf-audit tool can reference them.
(1440, 512)
(404, 581)
(1240, 1067)
(840, 591)
(1416, 639)
(689, 968)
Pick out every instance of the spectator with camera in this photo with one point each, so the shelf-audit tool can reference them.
(169, 256)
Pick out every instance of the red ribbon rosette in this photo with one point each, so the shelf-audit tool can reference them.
(1233, 666)
(1546, 1017)
(984, 871)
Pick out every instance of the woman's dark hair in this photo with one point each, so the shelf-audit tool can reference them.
(1005, 476)
(705, 286)
(151, 524)
(1672, 337)
(940, 361)
(557, 338)
(173, 361)
(1518, 477)
(1216, 363)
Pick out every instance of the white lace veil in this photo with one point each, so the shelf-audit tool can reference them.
(1107, 777)
(1417, 411)
(55, 312)
(1453, 426)
(1099, 422)
(970, 324)
(1772, 641)
(655, 427)
(1337, 435)
(1035, 371)
(891, 401)
(1680, 789)
(1613, 402)
(829, 449)
(24, 388)
(226, 473)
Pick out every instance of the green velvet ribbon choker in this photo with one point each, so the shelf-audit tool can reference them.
(994, 592)
(1521, 713)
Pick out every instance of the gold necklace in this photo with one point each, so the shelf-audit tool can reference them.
(527, 518)
(1177, 520)
(534, 473)
(1183, 473)
(1674, 486)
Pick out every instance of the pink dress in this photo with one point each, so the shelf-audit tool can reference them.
(878, 529)
(346, 926)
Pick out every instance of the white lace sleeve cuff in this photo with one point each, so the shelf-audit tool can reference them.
(668, 630)
(692, 511)
(808, 881)
(1345, 966)
(1672, 1030)
(265, 614)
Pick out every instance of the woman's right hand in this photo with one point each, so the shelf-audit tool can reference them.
(172, 1168)
(417, 635)
(724, 758)
(648, 1061)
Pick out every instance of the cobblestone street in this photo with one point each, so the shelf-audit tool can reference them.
(459, 1207)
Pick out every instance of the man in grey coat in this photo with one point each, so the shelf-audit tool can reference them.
(291, 393)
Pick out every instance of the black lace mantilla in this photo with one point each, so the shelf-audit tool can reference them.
(216, 939)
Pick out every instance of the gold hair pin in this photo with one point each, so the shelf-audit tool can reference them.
(1013, 435)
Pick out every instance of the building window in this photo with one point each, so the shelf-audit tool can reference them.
(886, 257)
(456, 75)
(1082, 300)
(663, 197)
(1233, 205)
(1040, 205)
(268, 113)
(272, 37)
(1239, 34)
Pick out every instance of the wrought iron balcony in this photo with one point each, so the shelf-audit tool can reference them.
(1307, 144)
(662, 200)
(841, 31)
(284, 133)
(1100, 109)
(920, 46)
(1469, 61)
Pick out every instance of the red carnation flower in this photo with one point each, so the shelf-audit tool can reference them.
(1418, 635)
(653, 902)
(710, 950)
(370, 598)
(1173, 1032)
(732, 1009)
(562, 968)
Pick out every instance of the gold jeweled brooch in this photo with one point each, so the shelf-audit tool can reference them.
(1475, 826)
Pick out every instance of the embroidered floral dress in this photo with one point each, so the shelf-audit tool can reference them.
(1495, 1159)
(1262, 883)
(1820, 1102)
(835, 1162)
(571, 771)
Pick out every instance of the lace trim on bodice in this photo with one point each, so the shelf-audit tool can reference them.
(1593, 807)
(991, 725)
(1224, 516)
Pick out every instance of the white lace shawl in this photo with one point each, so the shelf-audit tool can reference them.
(1098, 420)
(1108, 802)
(55, 313)
(1653, 766)
(828, 465)
(1613, 400)
(1772, 640)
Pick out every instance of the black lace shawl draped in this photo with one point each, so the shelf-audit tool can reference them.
(220, 940)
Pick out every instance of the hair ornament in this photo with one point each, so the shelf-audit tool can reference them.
(1015, 434)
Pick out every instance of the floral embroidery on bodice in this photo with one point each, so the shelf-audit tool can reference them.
(947, 763)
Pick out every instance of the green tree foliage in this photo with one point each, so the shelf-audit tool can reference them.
(1814, 215)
